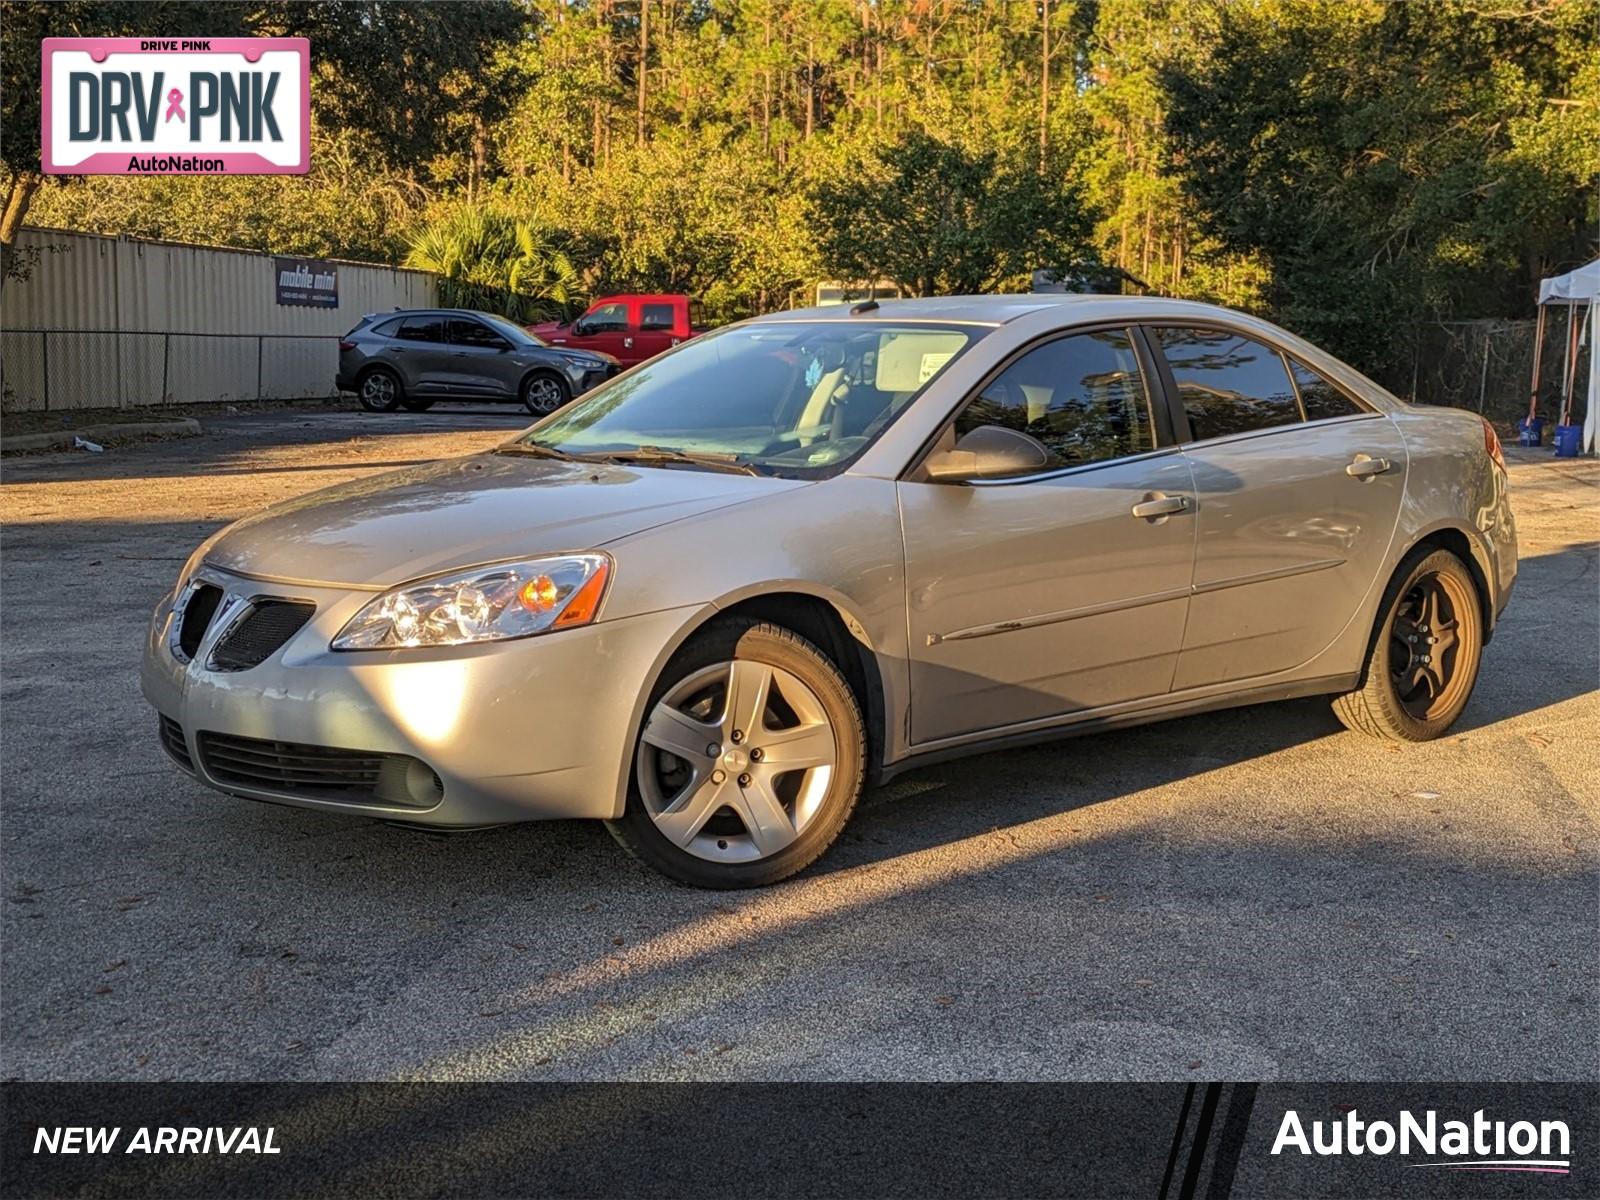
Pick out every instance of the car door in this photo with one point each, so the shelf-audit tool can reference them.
(482, 362)
(422, 355)
(608, 327)
(1066, 589)
(1294, 516)
(657, 321)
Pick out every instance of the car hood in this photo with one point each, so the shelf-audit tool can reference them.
(402, 525)
(583, 355)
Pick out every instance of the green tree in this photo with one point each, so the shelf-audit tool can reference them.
(940, 218)
(416, 83)
(1391, 162)
(489, 259)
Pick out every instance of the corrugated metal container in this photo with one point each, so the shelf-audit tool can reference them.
(121, 322)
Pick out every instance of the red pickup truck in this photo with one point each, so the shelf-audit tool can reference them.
(631, 328)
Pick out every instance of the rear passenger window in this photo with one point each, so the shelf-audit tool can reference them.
(1320, 398)
(1081, 397)
(655, 316)
(422, 329)
(387, 329)
(1228, 383)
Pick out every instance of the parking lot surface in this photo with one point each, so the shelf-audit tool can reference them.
(1251, 894)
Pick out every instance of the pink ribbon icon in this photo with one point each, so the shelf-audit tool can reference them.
(175, 105)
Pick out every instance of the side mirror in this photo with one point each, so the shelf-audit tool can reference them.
(988, 452)
(580, 328)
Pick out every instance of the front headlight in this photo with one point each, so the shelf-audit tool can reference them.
(484, 604)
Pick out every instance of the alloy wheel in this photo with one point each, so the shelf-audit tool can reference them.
(1426, 646)
(378, 391)
(543, 394)
(735, 761)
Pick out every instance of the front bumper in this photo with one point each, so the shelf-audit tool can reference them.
(521, 730)
(584, 378)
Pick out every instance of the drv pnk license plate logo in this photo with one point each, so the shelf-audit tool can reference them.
(176, 106)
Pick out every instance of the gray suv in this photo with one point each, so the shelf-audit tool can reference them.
(412, 358)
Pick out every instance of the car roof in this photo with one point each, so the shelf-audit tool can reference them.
(435, 312)
(1000, 309)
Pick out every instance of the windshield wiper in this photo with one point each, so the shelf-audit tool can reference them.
(655, 455)
(537, 451)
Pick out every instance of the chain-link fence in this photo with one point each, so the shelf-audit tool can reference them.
(1487, 366)
(1479, 365)
(57, 369)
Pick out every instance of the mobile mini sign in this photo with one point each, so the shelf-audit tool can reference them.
(176, 106)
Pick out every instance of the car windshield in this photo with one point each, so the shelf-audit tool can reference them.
(797, 399)
(516, 334)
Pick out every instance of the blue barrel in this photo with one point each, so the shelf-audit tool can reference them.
(1568, 438)
(1530, 431)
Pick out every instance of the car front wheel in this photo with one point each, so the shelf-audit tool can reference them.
(749, 762)
(543, 393)
(1424, 658)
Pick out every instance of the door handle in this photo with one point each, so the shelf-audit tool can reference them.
(1156, 507)
(1365, 467)
(627, 343)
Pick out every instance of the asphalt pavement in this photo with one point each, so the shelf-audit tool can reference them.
(1252, 894)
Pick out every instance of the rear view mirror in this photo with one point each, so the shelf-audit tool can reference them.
(987, 452)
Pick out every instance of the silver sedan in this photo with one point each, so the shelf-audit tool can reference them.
(716, 597)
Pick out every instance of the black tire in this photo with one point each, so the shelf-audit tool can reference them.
(417, 403)
(723, 641)
(543, 392)
(378, 389)
(1413, 688)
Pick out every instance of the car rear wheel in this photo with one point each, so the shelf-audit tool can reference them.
(1424, 660)
(543, 392)
(749, 762)
(379, 390)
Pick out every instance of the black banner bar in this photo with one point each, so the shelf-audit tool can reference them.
(1175, 1141)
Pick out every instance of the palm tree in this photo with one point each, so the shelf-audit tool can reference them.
(490, 259)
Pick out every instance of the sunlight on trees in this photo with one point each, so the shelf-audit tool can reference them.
(1350, 167)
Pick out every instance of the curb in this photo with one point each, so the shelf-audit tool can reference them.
(61, 439)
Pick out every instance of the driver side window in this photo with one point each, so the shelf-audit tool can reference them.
(1081, 397)
(608, 318)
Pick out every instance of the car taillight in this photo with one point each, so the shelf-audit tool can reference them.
(344, 345)
(1491, 443)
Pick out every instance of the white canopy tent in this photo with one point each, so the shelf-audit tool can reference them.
(1578, 286)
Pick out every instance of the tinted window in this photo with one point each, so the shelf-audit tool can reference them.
(1321, 399)
(422, 329)
(655, 316)
(387, 329)
(474, 333)
(1082, 397)
(1228, 384)
(608, 318)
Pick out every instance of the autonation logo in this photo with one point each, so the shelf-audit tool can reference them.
(1476, 1145)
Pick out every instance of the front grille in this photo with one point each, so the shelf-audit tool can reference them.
(320, 772)
(197, 613)
(172, 741)
(260, 633)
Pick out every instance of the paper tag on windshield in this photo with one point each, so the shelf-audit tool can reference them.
(931, 364)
